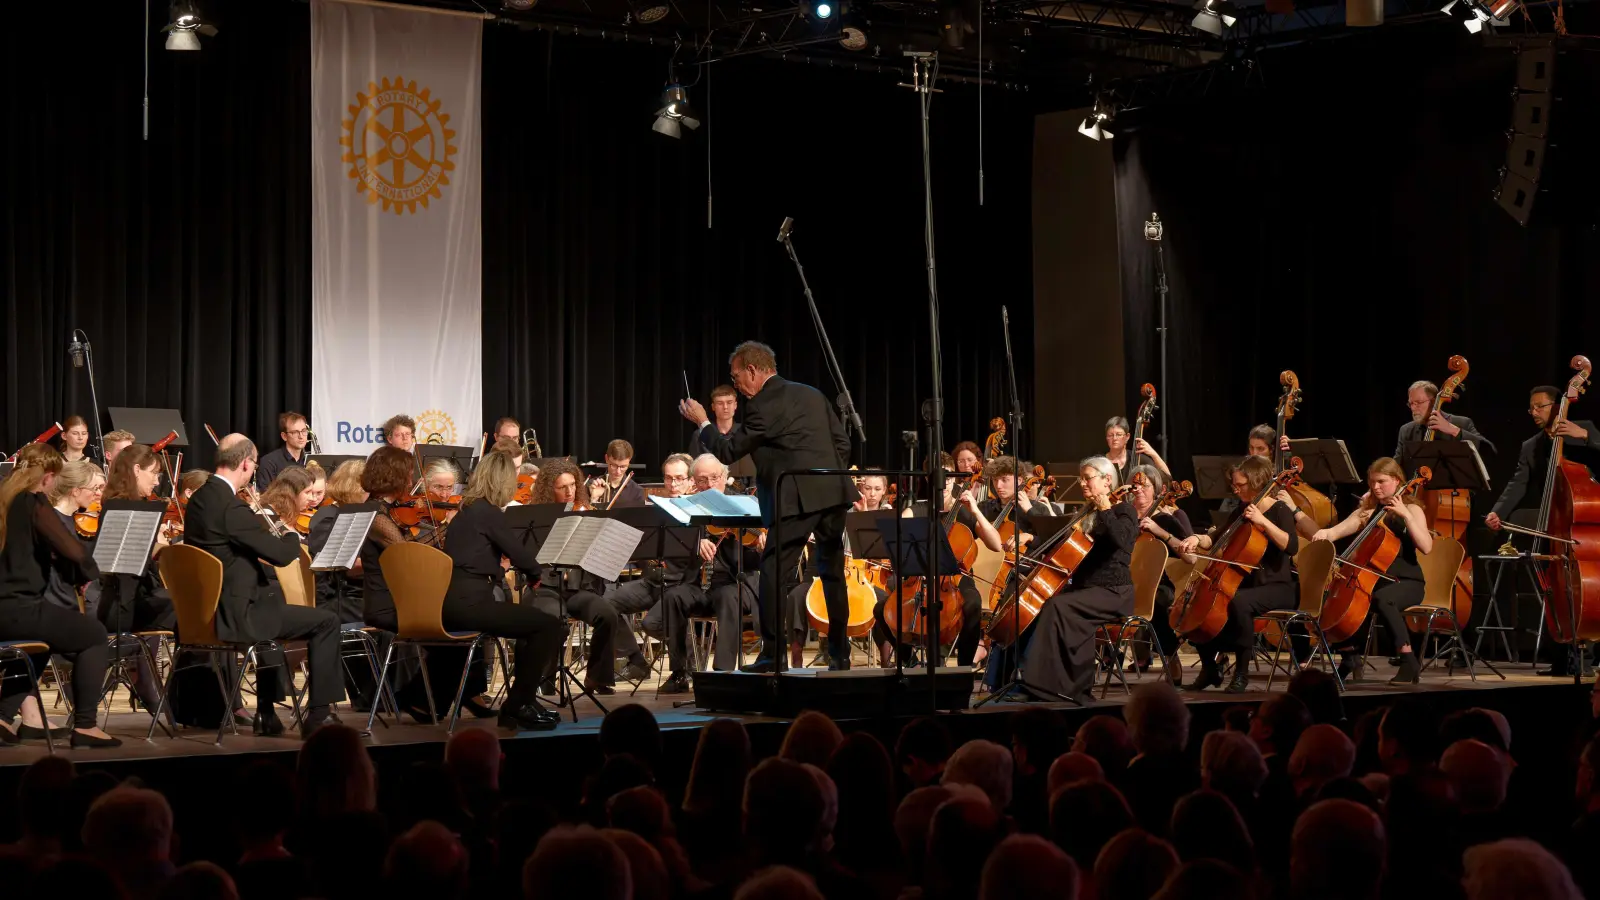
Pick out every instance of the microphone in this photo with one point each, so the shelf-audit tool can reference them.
(161, 445)
(785, 228)
(1005, 317)
(75, 349)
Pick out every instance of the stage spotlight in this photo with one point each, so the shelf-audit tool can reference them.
(675, 113)
(1212, 16)
(519, 5)
(957, 20)
(853, 37)
(1475, 14)
(185, 26)
(1096, 125)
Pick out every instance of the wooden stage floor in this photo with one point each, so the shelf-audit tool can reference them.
(131, 726)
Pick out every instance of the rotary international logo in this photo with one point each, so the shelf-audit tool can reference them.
(434, 427)
(397, 145)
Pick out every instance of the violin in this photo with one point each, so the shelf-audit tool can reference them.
(1449, 510)
(411, 510)
(1050, 568)
(1569, 515)
(524, 494)
(1359, 568)
(1310, 500)
(749, 537)
(87, 521)
(1202, 612)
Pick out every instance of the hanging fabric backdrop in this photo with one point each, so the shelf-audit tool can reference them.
(396, 238)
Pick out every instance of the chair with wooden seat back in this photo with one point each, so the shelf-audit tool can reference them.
(194, 579)
(1146, 568)
(419, 578)
(1436, 613)
(1313, 564)
(357, 640)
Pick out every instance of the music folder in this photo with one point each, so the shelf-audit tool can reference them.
(712, 508)
(127, 535)
(344, 541)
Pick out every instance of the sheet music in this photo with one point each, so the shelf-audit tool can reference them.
(124, 541)
(709, 503)
(1478, 461)
(553, 551)
(344, 542)
(610, 548)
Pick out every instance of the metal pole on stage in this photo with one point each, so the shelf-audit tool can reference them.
(1152, 233)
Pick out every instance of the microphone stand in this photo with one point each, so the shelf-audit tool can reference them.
(80, 344)
(1152, 233)
(1013, 578)
(847, 406)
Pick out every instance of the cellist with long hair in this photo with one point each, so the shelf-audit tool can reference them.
(1407, 520)
(1270, 585)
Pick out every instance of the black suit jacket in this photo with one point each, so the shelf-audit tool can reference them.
(788, 426)
(220, 524)
(1417, 431)
(1526, 487)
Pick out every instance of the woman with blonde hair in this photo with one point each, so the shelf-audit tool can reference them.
(1407, 521)
(33, 543)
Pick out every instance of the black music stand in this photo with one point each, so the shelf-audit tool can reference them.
(127, 587)
(907, 542)
(535, 522)
(1456, 465)
(1325, 461)
(149, 425)
(664, 539)
(1211, 480)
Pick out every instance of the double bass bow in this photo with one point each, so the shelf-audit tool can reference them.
(1569, 517)
(1360, 567)
(1202, 611)
(1313, 502)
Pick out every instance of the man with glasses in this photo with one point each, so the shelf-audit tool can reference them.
(641, 594)
(296, 433)
(1424, 418)
(1523, 495)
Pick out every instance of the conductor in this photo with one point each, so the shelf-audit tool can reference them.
(789, 426)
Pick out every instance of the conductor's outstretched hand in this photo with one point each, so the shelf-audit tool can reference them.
(692, 410)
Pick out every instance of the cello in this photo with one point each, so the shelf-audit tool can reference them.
(1315, 503)
(1202, 611)
(1449, 510)
(1050, 568)
(1359, 568)
(906, 603)
(1569, 516)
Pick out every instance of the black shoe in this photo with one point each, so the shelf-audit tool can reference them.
(83, 741)
(1240, 682)
(1209, 677)
(1410, 671)
(26, 732)
(267, 725)
(635, 671)
(9, 737)
(838, 665)
(310, 727)
(528, 718)
(676, 683)
(478, 708)
(762, 666)
(547, 687)
(600, 690)
(1351, 667)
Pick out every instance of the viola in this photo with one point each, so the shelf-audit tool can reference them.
(1570, 513)
(1202, 611)
(1050, 568)
(1313, 502)
(1360, 567)
(1449, 510)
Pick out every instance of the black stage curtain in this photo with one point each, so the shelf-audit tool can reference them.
(1340, 224)
(187, 258)
(602, 283)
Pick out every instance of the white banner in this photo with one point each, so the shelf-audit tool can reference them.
(396, 226)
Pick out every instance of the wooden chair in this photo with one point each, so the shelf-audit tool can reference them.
(1147, 565)
(24, 651)
(1314, 563)
(1437, 611)
(419, 577)
(194, 579)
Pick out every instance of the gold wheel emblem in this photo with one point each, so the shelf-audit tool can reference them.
(397, 145)
(434, 427)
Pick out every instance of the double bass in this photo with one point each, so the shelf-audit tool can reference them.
(1570, 516)
(1449, 510)
(1360, 567)
(1147, 411)
(1313, 502)
(1050, 567)
(907, 603)
(1202, 611)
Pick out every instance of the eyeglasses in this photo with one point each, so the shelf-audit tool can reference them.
(1539, 406)
(674, 479)
(301, 432)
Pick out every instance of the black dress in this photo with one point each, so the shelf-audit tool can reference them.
(1060, 658)
(1390, 598)
(1177, 525)
(1273, 585)
(36, 543)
